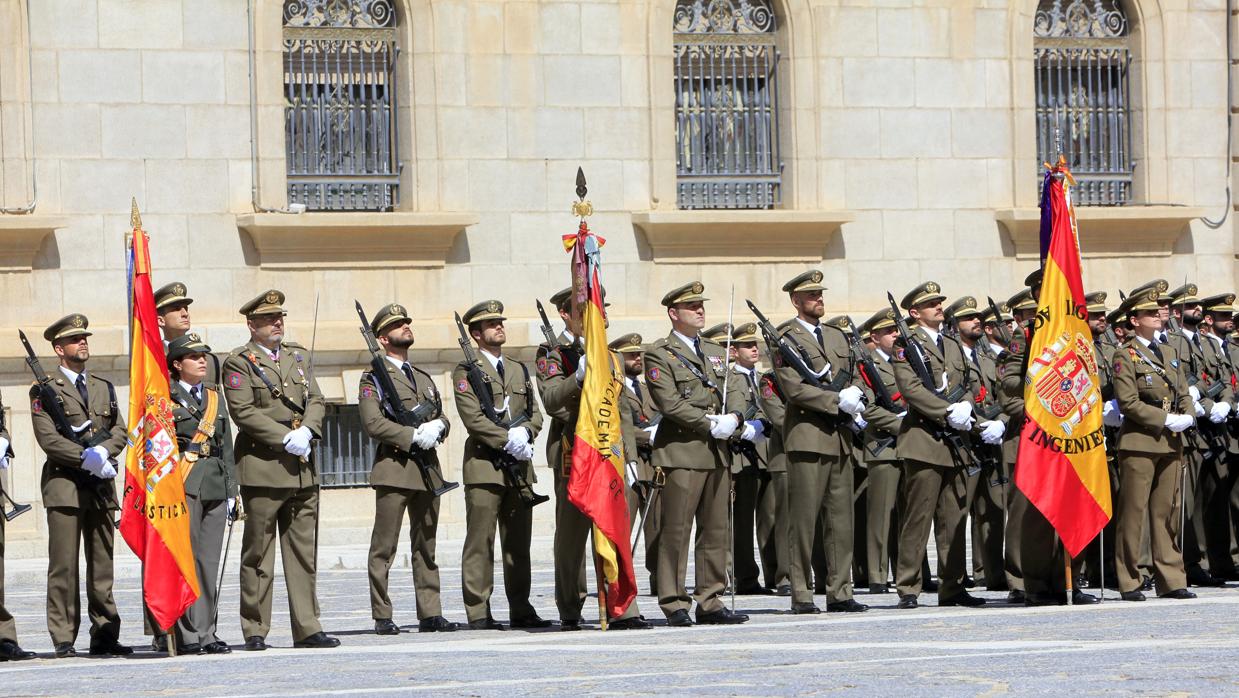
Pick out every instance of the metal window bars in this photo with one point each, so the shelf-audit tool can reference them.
(346, 453)
(726, 105)
(340, 117)
(1082, 83)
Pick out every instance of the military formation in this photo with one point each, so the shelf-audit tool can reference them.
(812, 458)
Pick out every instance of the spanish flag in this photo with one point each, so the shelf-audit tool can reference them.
(1061, 466)
(154, 519)
(596, 482)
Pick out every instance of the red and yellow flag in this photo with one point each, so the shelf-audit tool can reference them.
(596, 483)
(1061, 466)
(154, 519)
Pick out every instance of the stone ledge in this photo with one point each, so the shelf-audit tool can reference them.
(22, 236)
(1109, 231)
(739, 236)
(326, 240)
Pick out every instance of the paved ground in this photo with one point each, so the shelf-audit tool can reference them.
(1154, 648)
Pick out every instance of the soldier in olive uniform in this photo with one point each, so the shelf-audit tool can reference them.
(1157, 409)
(9, 649)
(490, 499)
(935, 489)
(989, 487)
(818, 437)
(78, 491)
(1204, 447)
(882, 518)
(204, 438)
(1219, 323)
(172, 303)
(397, 475)
(645, 418)
(685, 374)
(278, 410)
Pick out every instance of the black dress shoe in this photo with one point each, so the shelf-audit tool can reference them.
(217, 647)
(679, 619)
(783, 590)
(159, 643)
(1015, 596)
(1202, 578)
(634, 623)
(1080, 582)
(755, 590)
(879, 589)
(805, 609)
(848, 606)
(191, 648)
(723, 616)
(969, 582)
(109, 647)
(1080, 598)
(1045, 599)
(487, 623)
(998, 586)
(930, 586)
(1147, 584)
(65, 649)
(436, 624)
(1180, 594)
(570, 625)
(386, 626)
(963, 598)
(319, 640)
(907, 601)
(10, 652)
(530, 622)
(255, 643)
(1136, 595)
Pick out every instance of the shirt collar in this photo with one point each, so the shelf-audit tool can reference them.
(933, 334)
(741, 369)
(72, 376)
(397, 362)
(1190, 334)
(1143, 341)
(811, 328)
(687, 340)
(494, 360)
(189, 389)
(628, 381)
(998, 349)
(884, 355)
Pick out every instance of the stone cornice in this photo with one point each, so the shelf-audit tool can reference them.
(21, 237)
(343, 240)
(1106, 231)
(739, 236)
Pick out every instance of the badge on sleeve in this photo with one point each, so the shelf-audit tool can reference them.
(234, 380)
(36, 405)
(767, 390)
(552, 369)
(654, 373)
(462, 386)
(541, 364)
(1118, 367)
(367, 391)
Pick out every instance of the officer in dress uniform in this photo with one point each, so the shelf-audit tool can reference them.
(935, 488)
(1216, 326)
(9, 649)
(884, 468)
(172, 303)
(1157, 408)
(684, 374)
(204, 438)
(644, 417)
(278, 410)
(819, 440)
(78, 491)
(490, 499)
(399, 485)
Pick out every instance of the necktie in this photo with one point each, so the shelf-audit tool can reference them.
(941, 348)
(697, 348)
(81, 389)
(817, 331)
(499, 368)
(1156, 350)
(636, 389)
(408, 372)
(197, 393)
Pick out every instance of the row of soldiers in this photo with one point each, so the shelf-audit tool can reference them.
(779, 458)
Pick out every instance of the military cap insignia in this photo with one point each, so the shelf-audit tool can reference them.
(397, 310)
(970, 302)
(179, 289)
(194, 338)
(492, 307)
(77, 321)
(816, 277)
(234, 380)
(931, 287)
(273, 297)
(698, 287)
(1154, 294)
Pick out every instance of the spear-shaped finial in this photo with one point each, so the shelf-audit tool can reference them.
(581, 208)
(135, 219)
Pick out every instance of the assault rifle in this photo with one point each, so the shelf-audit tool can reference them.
(869, 373)
(424, 412)
(504, 461)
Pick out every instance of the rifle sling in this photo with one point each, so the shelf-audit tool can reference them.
(275, 392)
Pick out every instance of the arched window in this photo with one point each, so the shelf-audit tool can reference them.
(340, 124)
(1083, 67)
(726, 104)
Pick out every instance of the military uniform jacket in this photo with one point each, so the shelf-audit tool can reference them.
(395, 464)
(1198, 370)
(927, 411)
(213, 476)
(65, 455)
(263, 420)
(561, 396)
(754, 406)
(774, 406)
(1147, 390)
(813, 422)
(640, 413)
(984, 378)
(486, 439)
(883, 423)
(683, 439)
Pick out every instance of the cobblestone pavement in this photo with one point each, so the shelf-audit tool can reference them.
(1158, 647)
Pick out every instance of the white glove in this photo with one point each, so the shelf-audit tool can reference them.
(860, 421)
(93, 459)
(1179, 422)
(4, 449)
(108, 471)
(427, 435)
(1195, 392)
(630, 473)
(1110, 414)
(580, 370)
(1198, 408)
(519, 435)
(297, 441)
(753, 431)
(723, 426)
(992, 431)
(651, 431)
(959, 415)
(526, 453)
(852, 400)
(4, 462)
(1217, 414)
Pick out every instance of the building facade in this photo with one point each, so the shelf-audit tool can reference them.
(425, 151)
